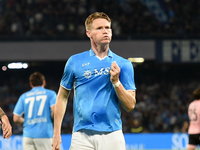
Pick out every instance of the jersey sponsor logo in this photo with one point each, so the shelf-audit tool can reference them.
(102, 71)
(85, 64)
(87, 74)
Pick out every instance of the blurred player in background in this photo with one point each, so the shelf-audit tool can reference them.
(102, 81)
(37, 105)
(194, 116)
(6, 127)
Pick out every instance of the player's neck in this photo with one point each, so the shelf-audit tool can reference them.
(101, 51)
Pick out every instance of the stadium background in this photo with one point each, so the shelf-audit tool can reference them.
(164, 32)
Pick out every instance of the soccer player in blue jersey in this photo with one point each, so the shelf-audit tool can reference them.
(102, 81)
(37, 106)
(6, 127)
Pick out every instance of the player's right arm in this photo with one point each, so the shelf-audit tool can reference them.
(60, 108)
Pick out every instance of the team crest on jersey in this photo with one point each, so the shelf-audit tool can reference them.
(87, 74)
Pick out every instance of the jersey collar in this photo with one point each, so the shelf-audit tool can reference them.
(110, 53)
(37, 88)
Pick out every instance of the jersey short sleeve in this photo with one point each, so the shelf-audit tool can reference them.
(127, 76)
(19, 107)
(53, 98)
(68, 75)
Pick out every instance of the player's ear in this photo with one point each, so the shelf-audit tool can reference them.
(88, 33)
(44, 83)
(31, 85)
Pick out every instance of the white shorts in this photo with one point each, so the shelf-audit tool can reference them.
(94, 140)
(37, 143)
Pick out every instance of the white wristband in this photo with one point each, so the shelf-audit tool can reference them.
(117, 84)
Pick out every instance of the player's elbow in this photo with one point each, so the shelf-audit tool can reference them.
(129, 109)
(131, 103)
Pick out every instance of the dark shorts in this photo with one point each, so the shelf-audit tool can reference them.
(194, 139)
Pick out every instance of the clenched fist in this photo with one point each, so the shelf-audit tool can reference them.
(114, 72)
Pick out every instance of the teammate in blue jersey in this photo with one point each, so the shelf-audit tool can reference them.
(35, 110)
(102, 81)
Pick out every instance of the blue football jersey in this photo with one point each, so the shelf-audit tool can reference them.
(96, 104)
(36, 106)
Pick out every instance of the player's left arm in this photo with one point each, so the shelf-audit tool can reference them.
(18, 119)
(127, 98)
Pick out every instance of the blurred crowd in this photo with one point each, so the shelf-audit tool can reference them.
(163, 94)
(64, 19)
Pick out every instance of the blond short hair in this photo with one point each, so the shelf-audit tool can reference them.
(94, 16)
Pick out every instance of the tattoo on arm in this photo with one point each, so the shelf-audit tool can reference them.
(2, 113)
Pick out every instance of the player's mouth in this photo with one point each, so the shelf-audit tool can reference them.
(106, 37)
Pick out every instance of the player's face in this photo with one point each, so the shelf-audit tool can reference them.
(100, 31)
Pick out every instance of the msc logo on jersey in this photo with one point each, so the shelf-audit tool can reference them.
(103, 71)
(87, 74)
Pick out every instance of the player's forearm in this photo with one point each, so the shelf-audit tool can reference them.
(18, 119)
(21, 120)
(59, 112)
(5, 119)
(127, 98)
(60, 108)
(2, 113)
